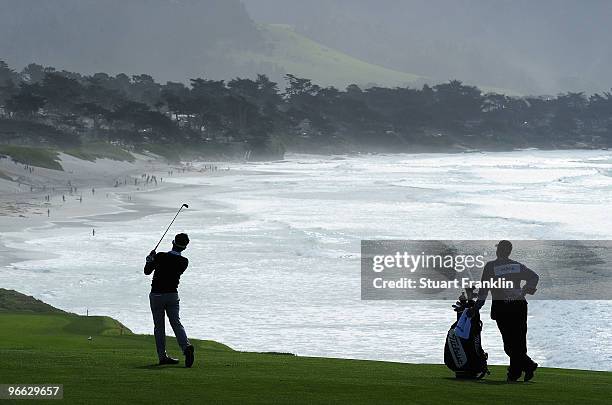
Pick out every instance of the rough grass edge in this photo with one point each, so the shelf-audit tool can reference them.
(38, 157)
(93, 151)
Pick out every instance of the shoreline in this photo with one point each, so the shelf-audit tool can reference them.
(23, 211)
(418, 150)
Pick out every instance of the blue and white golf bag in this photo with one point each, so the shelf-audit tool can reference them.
(463, 351)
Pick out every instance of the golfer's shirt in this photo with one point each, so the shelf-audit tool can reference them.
(510, 271)
(168, 268)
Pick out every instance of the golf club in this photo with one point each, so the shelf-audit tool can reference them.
(162, 238)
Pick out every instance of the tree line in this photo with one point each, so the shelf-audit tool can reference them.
(43, 105)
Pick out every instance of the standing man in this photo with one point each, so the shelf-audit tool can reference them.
(509, 308)
(164, 298)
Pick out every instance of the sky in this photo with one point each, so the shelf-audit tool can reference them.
(542, 46)
(531, 47)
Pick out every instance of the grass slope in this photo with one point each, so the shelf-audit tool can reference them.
(301, 56)
(100, 150)
(325, 66)
(39, 157)
(11, 301)
(49, 158)
(119, 368)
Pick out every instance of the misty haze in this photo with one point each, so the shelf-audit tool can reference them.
(193, 194)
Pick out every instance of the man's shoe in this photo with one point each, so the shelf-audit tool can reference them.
(168, 360)
(512, 377)
(530, 371)
(189, 358)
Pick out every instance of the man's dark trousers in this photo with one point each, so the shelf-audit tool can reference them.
(162, 304)
(511, 318)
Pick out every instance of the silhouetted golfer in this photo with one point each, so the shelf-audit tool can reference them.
(164, 298)
(509, 308)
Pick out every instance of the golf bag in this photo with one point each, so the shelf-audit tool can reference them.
(463, 352)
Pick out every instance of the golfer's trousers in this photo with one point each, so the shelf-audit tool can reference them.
(511, 320)
(162, 304)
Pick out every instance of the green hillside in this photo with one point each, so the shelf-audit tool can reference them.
(325, 66)
(301, 56)
(116, 366)
(11, 301)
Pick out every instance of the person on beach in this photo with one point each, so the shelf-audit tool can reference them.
(167, 269)
(509, 308)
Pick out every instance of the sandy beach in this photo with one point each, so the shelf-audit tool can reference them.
(104, 190)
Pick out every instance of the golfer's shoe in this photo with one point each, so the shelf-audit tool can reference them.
(530, 371)
(512, 377)
(168, 360)
(189, 358)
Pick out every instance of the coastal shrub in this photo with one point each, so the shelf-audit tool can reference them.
(38, 157)
(100, 150)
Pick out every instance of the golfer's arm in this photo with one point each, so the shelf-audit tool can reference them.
(483, 293)
(185, 266)
(149, 267)
(531, 279)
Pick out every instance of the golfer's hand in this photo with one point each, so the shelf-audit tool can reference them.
(527, 290)
(151, 257)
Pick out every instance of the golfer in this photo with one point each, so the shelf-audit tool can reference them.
(167, 269)
(509, 308)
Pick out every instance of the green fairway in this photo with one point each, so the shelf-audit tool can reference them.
(53, 348)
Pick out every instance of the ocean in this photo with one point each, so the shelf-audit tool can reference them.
(275, 251)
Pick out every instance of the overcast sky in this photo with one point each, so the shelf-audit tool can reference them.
(537, 45)
(532, 46)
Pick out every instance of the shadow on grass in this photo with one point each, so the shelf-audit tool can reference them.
(158, 367)
(483, 381)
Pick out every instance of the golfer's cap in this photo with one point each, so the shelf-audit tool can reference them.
(504, 244)
(181, 240)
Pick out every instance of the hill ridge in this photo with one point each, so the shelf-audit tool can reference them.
(14, 301)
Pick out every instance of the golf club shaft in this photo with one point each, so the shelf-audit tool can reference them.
(167, 229)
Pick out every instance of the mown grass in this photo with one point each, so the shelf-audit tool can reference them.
(116, 366)
(39, 157)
